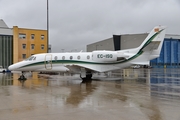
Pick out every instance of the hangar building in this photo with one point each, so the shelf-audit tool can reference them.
(169, 56)
(6, 45)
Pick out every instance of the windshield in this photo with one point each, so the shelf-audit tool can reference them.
(31, 58)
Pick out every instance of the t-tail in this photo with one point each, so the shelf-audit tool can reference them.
(150, 47)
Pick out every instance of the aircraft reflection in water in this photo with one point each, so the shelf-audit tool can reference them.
(7, 79)
(163, 82)
(79, 93)
(143, 92)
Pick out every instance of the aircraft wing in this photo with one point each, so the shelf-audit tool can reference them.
(89, 67)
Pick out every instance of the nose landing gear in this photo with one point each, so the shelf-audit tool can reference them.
(22, 79)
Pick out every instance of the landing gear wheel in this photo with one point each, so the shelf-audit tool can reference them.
(87, 79)
(22, 78)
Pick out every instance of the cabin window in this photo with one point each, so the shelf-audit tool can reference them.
(78, 57)
(55, 58)
(63, 57)
(88, 57)
(34, 58)
(71, 57)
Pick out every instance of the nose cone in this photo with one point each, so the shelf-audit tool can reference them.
(11, 67)
(15, 67)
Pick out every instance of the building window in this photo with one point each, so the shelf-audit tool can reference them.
(22, 36)
(32, 46)
(24, 46)
(42, 47)
(24, 56)
(42, 37)
(32, 36)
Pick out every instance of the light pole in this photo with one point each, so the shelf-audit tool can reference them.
(47, 26)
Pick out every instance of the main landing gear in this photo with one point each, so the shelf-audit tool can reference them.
(87, 79)
(22, 78)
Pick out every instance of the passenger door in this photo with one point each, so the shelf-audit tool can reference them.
(48, 62)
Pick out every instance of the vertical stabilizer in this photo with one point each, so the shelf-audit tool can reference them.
(151, 46)
(155, 36)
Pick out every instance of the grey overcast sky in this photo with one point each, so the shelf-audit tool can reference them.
(76, 23)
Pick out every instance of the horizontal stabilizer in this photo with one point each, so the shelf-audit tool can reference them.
(141, 63)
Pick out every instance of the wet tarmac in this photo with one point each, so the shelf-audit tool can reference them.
(131, 94)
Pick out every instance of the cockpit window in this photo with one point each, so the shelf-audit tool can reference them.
(31, 58)
(34, 58)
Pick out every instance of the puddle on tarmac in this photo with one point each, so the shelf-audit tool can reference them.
(147, 94)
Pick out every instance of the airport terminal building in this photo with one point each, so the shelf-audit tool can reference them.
(17, 44)
(169, 56)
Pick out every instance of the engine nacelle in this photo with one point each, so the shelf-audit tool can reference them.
(104, 56)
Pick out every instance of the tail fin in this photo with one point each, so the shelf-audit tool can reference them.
(154, 41)
(151, 46)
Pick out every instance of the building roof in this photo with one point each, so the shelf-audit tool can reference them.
(172, 36)
(4, 29)
(3, 24)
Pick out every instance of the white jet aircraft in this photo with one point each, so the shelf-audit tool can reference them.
(86, 63)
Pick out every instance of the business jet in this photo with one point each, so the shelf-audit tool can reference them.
(87, 63)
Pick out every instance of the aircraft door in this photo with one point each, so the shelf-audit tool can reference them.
(48, 62)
